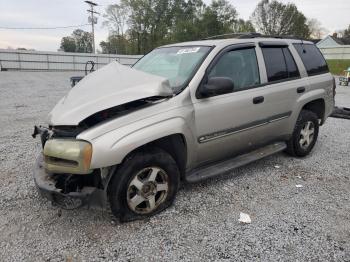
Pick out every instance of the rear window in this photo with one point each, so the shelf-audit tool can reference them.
(312, 58)
(279, 64)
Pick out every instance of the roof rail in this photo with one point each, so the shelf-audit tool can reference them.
(247, 35)
(234, 35)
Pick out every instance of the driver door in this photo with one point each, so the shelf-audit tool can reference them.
(231, 123)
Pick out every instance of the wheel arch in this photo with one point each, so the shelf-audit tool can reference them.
(172, 135)
(317, 106)
(175, 145)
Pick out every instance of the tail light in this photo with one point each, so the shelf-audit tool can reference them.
(334, 87)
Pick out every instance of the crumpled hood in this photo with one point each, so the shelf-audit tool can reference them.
(110, 86)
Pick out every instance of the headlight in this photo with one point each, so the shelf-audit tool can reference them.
(68, 156)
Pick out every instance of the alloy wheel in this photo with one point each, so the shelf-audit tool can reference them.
(147, 190)
(307, 135)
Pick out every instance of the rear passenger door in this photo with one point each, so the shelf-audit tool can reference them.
(319, 79)
(283, 86)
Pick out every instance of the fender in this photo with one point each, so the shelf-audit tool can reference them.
(301, 102)
(111, 148)
(308, 97)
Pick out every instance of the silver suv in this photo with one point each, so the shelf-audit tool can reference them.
(127, 137)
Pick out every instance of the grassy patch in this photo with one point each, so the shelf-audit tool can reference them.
(337, 67)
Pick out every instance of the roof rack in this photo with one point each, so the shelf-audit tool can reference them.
(248, 35)
(234, 35)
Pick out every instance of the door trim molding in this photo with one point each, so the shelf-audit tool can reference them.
(234, 130)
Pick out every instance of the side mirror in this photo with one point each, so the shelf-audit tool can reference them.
(217, 86)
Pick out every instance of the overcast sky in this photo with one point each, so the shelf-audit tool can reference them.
(334, 15)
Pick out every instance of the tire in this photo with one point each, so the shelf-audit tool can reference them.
(299, 145)
(140, 177)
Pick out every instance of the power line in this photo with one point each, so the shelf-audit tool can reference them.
(41, 28)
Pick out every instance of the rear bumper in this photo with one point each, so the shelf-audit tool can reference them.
(46, 185)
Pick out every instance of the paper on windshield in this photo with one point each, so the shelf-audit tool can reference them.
(188, 50)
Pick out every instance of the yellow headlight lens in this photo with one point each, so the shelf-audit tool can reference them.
(68, 156)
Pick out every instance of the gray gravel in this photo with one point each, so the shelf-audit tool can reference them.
(343, 95)
(288, 223)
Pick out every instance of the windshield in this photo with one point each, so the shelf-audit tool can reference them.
(177, 64)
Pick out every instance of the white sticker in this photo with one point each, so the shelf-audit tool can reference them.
(188, 50)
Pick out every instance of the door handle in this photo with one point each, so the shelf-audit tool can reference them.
(300, 90)
(258, 99)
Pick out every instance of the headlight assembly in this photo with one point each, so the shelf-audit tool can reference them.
(68, 156)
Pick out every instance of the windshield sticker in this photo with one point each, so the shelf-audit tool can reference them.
(188, 50)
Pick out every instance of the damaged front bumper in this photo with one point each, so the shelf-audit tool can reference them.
(60, 192)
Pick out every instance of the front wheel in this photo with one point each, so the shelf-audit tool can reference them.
(305, 134)
(145, 184)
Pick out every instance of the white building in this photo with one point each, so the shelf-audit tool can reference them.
(334, 48)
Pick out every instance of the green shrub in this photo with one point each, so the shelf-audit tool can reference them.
(337, 66)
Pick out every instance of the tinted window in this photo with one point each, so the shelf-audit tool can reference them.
(239, 65)
(312, 59)
(279, 64)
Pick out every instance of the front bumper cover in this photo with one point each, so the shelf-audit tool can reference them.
(46, 185)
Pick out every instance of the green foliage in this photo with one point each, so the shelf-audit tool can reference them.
(80, 42)
(347, 32)
(337, 66)
(68, 44)
(243, 26)
(146, 24)
(115, 44)
(275, 18)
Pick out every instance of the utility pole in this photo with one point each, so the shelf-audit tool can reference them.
(93, 21)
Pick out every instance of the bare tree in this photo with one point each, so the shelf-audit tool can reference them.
(316, 29)
(116, 18)
(347, 32)
(275, 18)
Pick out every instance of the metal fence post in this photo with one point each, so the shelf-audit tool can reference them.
(19, 61)
(47, 60)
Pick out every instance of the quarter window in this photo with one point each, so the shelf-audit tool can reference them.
(239, 65)
(312, 58)
(279, 64)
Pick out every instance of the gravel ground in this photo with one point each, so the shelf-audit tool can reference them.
(311, 223)
(343, 96)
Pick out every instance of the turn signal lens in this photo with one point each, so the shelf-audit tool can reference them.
(87, 155)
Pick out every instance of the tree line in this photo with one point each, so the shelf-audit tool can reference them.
(138, 26)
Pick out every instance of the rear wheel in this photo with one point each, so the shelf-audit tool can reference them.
(145, 184)
(305, 134)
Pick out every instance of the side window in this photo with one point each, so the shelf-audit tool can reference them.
(239, 65)
(279, 64)
(312, 58)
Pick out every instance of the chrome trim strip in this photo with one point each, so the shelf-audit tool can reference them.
(235, 130)
(278, 119)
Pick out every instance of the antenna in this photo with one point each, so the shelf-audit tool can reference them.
(302, 46)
